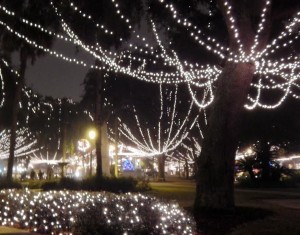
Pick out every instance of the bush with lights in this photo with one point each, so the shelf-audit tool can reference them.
(72, 212)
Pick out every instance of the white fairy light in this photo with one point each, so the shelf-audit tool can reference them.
(161, 139)
(60, 212)
(2, 89)
(25, 142)
(42, 158)
(261, 25)
(90, 18)
(173, 70)
(195, 34)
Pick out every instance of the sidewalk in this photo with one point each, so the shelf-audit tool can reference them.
(284, 198)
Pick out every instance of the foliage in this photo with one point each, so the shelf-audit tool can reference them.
(92, 213)
(247, 164)
(262, 167)
(92, 221)
(143, 185)
(49, 185)
(248, 182)
(68, 183)
(63, 183)
(34, 184)
(296, 176)
(115, 185)
(6, 184)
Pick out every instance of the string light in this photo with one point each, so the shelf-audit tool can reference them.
(195, 33)
(161, 139)
(90, 18)
(135, 60)
(25, 143)
(62, 211)
(261, 25)
(2, 89)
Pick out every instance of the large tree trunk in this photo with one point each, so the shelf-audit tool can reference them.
(15, 111)
(215, 164)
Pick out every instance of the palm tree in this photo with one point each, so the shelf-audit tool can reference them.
(246, 164)
(38, 11)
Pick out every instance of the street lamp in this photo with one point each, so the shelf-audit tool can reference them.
(92, 135)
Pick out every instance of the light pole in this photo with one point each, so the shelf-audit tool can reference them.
(92, 136)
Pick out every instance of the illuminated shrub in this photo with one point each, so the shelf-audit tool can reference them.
(91, 213)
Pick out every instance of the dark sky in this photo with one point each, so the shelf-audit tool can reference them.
(55, 77)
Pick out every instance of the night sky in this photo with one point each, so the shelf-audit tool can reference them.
(51, 76)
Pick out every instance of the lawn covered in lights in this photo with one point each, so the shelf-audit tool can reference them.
(72, 212)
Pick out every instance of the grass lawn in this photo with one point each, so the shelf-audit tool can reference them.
(183, 193)
(266, 212)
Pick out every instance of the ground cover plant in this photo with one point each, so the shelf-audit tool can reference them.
(67, 212)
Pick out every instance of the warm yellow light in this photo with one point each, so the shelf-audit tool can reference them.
(249, 151)
(92, 134)
(111, 148)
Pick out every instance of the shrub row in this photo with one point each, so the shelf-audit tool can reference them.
(6, 184)
(115, 185)
(247, 182)
(95, 213)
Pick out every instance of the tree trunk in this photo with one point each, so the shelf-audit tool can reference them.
(98, 123)
(264, 156)
(186, 169)
(215, 164)
(64, 131)
(105, 150)
(251, 173)
(161, 167)
(195, 173)
(15, 111)
(116, 157)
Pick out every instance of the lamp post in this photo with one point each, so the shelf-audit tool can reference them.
(92, 137)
